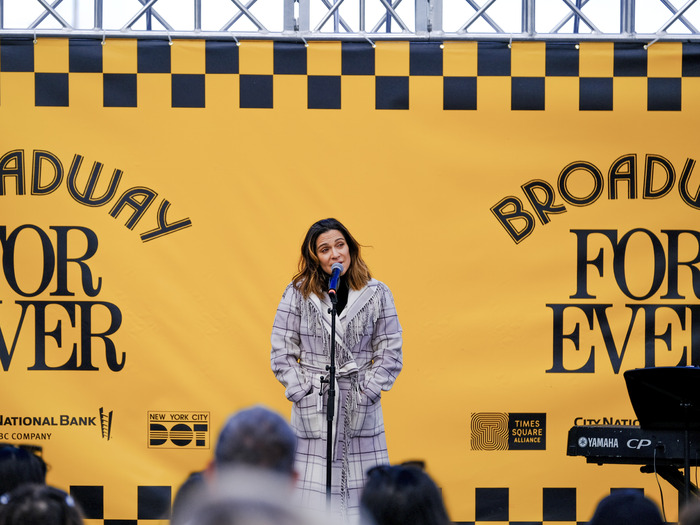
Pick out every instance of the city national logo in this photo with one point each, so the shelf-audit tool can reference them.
(508, 431)
(178, 430)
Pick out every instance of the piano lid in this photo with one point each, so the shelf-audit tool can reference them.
(665, 397)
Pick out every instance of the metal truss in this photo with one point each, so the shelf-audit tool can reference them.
(302, 20)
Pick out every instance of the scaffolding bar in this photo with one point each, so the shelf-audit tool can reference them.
(431, 20)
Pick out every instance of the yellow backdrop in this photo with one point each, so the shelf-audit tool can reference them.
(154, 201)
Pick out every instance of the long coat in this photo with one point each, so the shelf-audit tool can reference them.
(368, 360)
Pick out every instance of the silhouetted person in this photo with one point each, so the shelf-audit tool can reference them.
(402, 495)
(626, 507)
(20, 465)
(690, 513)
(253, 438)
(37, 504)
(257, 437)
(245, 496)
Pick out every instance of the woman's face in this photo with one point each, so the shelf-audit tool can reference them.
(332, 248)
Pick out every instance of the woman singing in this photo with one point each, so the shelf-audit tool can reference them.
(368, 360)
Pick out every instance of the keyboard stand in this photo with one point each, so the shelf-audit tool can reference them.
(674, 477)
(667, 397)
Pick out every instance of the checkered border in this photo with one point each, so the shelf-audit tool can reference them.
(153, 503)
(461, 91)
(559, 504)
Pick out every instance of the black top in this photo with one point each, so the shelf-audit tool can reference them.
(342, 294)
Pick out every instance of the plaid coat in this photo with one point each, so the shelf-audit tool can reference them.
(368, 360)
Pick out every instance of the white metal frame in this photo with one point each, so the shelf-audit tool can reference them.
(436, 20)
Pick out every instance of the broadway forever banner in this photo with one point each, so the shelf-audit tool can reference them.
(533, 208)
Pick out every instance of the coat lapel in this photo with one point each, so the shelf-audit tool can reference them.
(357, 299)
(323, 306)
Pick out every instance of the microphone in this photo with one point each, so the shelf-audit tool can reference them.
(336, 270)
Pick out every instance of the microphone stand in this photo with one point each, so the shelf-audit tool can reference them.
(330, 407)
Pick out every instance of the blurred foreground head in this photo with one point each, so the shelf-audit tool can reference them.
(402, 495)
(20, 464)
(243, 496)
(254, 438)
(626, 507)
(690, 513)
(34, 504)
(257, 437)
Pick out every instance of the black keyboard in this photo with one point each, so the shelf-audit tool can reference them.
(632, 445)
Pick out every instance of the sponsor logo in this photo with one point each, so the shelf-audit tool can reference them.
(508, 431)
(25, 436)
(62, 420)
(106, 423)
(18, 427)
(585, 421)
(598, 442)
(178, 430)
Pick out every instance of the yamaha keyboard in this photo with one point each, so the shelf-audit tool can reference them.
(666, 401)
(658, 451)
(633, 446)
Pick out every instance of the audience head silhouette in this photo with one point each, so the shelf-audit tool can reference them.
(20, 464)
(34, 504)
(626, 507)
(402, 495)
(257, 437)
(254, 438)
(247, 496)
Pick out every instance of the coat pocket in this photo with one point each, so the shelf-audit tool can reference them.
(306, 420)
(366, 421)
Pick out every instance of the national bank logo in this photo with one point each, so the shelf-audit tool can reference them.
(106, 423)
(508, 431)
(178, 430)
(43, 427)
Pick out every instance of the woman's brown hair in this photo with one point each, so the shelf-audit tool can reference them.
(311, 278)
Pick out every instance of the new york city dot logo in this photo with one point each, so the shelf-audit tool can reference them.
(180, 429)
